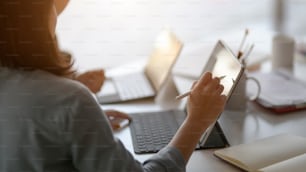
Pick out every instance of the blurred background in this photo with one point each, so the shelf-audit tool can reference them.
(109, 33)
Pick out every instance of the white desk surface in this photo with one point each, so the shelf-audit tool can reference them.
(239, 127)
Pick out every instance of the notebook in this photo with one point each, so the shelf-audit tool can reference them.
(146, 83)
(153, 130)
(280, 91)
(281, 153)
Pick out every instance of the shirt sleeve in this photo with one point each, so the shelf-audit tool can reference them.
(94, 148)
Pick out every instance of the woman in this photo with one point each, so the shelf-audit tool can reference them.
(52, 123)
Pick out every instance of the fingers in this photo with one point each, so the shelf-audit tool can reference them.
(95, 73)
(112, 114)
(208, 83)
(208, 88)
(206, 98)
(220, 102)
(93, 79)
(214, 85)
(223, 98)
(220, 89)
(117, 118)
(194, 84)
(204, 79)
(99, 72)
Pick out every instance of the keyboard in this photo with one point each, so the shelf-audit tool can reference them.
(151, 131)
(132, 86)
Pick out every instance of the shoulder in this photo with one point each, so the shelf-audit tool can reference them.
(40, 88)
(71, 100)
(57, 83)
(55, 90)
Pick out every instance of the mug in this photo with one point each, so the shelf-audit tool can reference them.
(239, 98)
(283, 48)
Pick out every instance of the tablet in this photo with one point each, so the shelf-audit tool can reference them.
(225, 63)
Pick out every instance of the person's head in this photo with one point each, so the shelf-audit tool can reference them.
(27, 36)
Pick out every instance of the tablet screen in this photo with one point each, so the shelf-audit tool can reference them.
(226, 65)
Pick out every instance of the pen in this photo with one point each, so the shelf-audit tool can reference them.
(188, 92)
(240, 53)
(247, 54)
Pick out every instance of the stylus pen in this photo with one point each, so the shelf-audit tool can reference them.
(243, 58)
(240, 53)
(188, 92)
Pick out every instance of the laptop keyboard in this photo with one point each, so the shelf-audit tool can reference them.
(133, 86)
(153, 131)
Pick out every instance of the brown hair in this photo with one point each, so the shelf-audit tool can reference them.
(25, 39)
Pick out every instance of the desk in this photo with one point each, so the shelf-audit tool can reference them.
(239, 127)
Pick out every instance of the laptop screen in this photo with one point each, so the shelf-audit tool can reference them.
(166, 50)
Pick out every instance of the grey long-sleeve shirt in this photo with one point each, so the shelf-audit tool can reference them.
(53, 124)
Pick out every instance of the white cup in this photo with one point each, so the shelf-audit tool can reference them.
(282, 52)
(238, 100)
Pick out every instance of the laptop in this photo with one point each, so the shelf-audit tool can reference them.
(151, 131)
(146, 83)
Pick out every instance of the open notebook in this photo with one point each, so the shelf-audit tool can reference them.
(281, 153)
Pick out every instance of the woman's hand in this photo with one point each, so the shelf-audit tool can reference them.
(116, 117)
(93, 79)
(205, 101)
